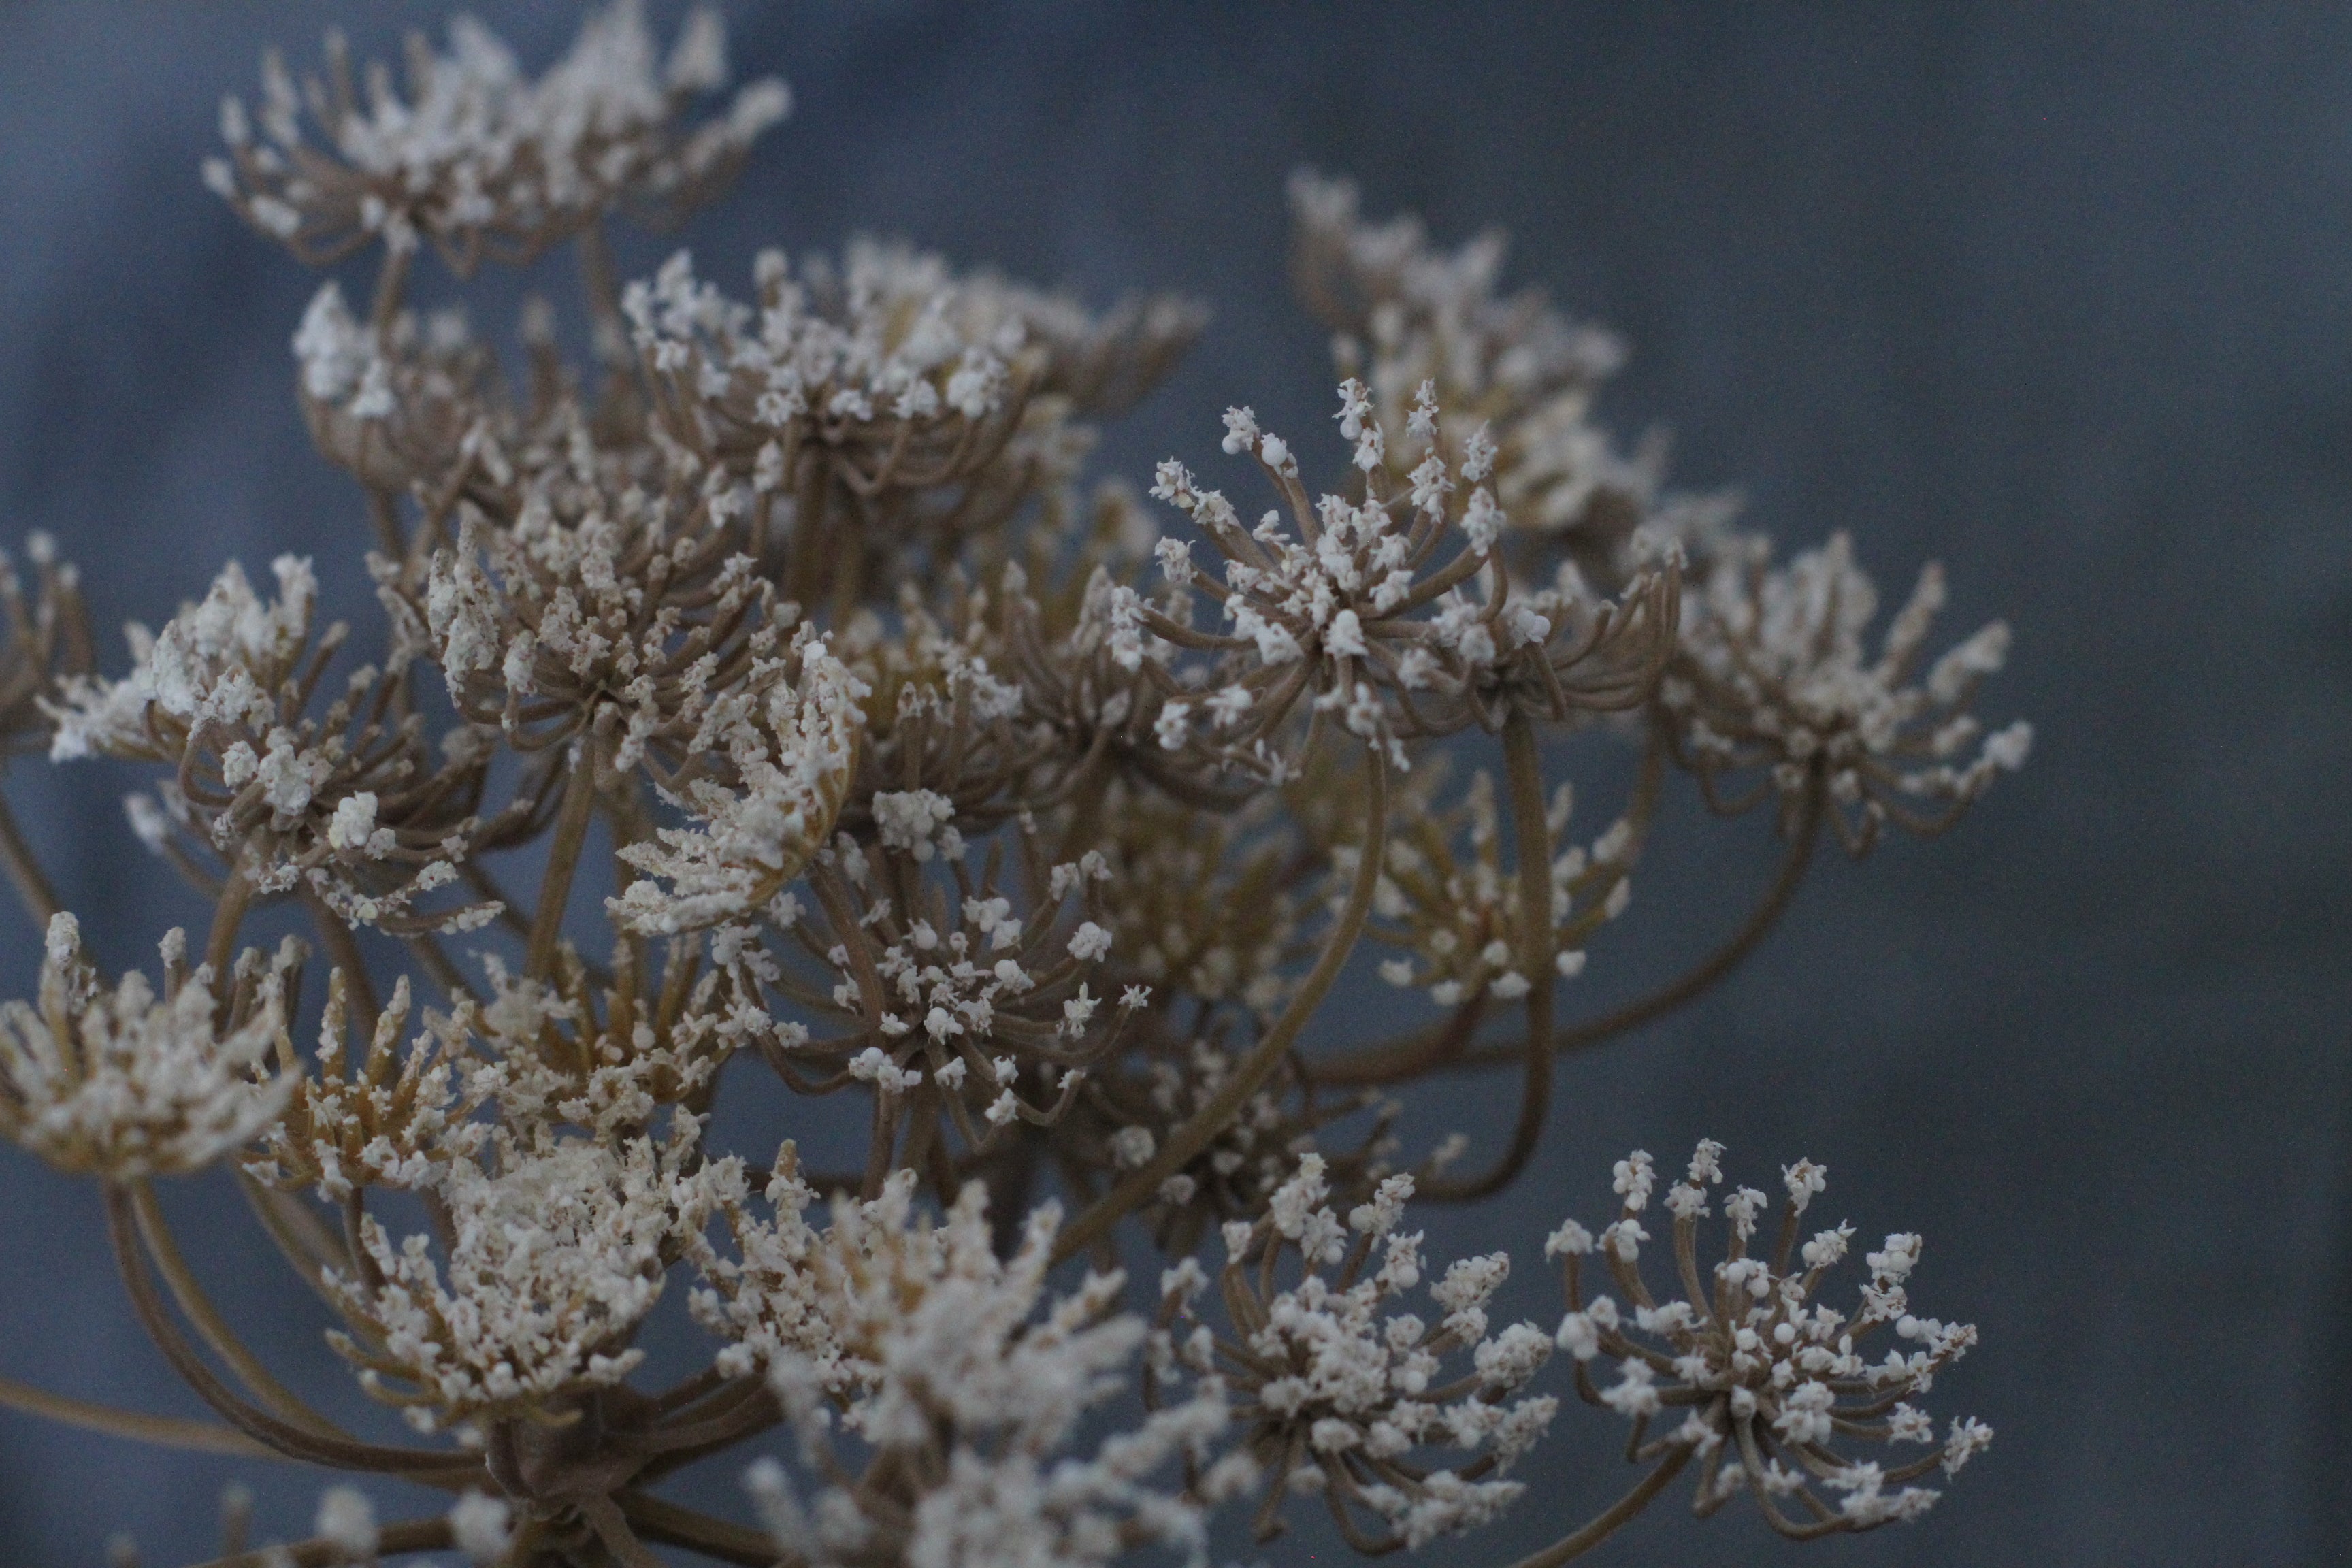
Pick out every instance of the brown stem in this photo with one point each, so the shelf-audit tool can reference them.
(671, 1525)
(220, 946)
(337, 1452)
(162, 1431)
(409, 1535)
(25, 870)
(1606, 1524)
(211, 1326)
(343, 953)
(308, 1246)
(596, 282)
(611, 1528)
(563, 859)
(1689, 986)
(1532, 833)
(390, 283)
(1201, 1131)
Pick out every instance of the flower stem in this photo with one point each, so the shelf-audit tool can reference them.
(571, 822)
(1218, 1114)
(1531, 832)
(163, 1431)
(1690, 985)
(1604, 1525)
(214, 1328)
(25, 870)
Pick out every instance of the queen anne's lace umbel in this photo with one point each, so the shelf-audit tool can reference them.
(775, 742)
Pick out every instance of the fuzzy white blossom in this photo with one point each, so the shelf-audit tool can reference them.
(125, 1084)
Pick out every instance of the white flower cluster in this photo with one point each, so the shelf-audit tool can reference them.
(1335, 1387)
(1766, 1373)
(389, 1118)
(347, 802)
(1459, 917)
(1777, 678)
(556, 1254)
(125, 1084)
(964, 1396)
(477, 155)
(218, 662)
(1409, 313)
(792, 756)
(1350, 602)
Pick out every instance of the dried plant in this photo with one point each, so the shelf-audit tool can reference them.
(983, 815)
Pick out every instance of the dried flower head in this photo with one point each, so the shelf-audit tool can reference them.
(965, 1397)
(478, 158)
(1335, 1386)
(1458, 917)
(556, 1250)
(1765, 1373)
(45, 642)
(1512, 368)
(1773, 685)
(125, 1084)
(349, 804)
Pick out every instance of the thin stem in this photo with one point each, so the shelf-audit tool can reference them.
(308, 1246)
(1531, 832)
(343, 952)
(390, 284)
(563, 859)
(1606, 1524)
(667, 1523)
(611, 1528)
(162, 1431)
(1691, 984)
(339, 1453)
(1202, 1129)
(25, 870)
(409, 1535)
(220, 946)
(211, 1326)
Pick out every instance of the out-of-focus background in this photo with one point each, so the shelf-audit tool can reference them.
(2059, 294)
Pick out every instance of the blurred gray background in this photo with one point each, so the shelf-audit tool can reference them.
(2057, 293)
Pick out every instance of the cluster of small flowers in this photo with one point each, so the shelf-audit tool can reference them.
(916, 788)
(1335, 1387)
(1766, 1371)
(475, 157)
(1462, 921)
(127, 1084)
(961, 1393)
(1774, 680)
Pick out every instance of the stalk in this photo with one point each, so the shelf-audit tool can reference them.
(1214, 1118)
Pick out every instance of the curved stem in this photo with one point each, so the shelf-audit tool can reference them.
(391, 283)
(562, 860)
(25, 870)
(1689, 985)
(409, 1535)
(310, 1250)
(671, 1525)
(611, 1528)
(337, 1452)
(1201, 1131)
(1606, 1524)
(1404, 1057)
(1531, 834)
(211, 1326)
(162, 1431)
